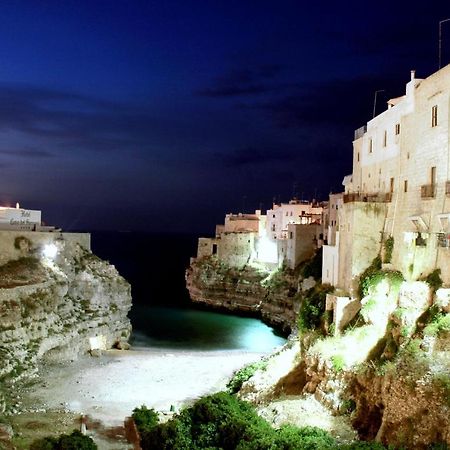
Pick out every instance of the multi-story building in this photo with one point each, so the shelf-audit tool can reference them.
(399, 188)
(294, 212)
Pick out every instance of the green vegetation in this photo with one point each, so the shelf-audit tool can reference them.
(439, 323)
(221, 421)
(74, 441)
(244, 374)
(374, 275)
(312, 307)
(434, 279)
(338, 362)
(144, 418)
(388, 249)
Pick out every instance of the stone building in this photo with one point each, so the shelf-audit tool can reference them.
(399, 188)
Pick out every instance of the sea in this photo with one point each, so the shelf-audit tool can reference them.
(162, 314)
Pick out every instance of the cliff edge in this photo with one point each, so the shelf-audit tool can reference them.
(57, 300)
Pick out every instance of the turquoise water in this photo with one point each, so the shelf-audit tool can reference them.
(192, 329)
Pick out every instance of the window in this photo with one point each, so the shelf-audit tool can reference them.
(397, 128)
(391, 187)
(433, 176)
(370, 145)
(357, 156)
(291, 235)
(385, 138)
(291, 213)
(434, 116)
(405, 186)
(287, 213)
(273, 227)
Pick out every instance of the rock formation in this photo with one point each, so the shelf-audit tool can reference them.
(55, 308)
(269, 296)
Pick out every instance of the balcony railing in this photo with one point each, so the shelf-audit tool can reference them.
(361, 197)
(443, 240)
(428, 191)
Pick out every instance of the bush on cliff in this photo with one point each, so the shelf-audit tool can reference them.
(222, 421)
(145, 418)
(74, 441)
(312, 307)
(244, 374)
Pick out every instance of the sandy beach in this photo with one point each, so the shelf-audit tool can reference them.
(107, 388)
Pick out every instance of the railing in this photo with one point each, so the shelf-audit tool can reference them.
(360, 132)
(428, 191)
(361, 197)
(443, 240)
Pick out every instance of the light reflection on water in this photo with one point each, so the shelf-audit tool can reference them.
(199, 330)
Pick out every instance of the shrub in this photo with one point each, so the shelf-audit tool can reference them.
(310, 438)
(338, 362)
(144, 418)
(434, 279)
(215, 421)
(374, 275)
(74, 441)
(244, 374)
(363, 445)
(312, 307)
(439, 323)
(388, 249)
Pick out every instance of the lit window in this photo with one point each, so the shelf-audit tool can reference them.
(397, 128)
(434, 117)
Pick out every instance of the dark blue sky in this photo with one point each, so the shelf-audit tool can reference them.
(165, 115)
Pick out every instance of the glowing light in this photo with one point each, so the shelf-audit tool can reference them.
(50, 251)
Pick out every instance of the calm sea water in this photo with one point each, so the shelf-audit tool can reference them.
(162, 314)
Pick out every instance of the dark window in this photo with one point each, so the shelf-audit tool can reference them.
(434, 116)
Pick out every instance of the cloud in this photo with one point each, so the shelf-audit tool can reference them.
(28, 153)
(247, 81)
(70, 121)
(334, 103)
(251, 156)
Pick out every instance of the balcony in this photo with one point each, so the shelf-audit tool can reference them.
(428, 191)
(443, 240)
(361, 197)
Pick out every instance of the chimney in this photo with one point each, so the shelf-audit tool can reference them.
(413, 75)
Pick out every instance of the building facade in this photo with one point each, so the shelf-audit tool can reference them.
(399, 188)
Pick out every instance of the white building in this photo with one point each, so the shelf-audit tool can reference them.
(399, 188)
(19, 218)
(294, 212)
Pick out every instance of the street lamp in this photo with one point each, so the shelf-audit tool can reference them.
(440, 39)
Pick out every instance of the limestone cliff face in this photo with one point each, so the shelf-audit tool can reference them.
(246, 290)
(58, 308)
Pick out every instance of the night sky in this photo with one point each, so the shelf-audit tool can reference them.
(165, 115)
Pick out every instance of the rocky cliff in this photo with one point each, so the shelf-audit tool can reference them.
(268, 295)
(55, 306)
(387, 371)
